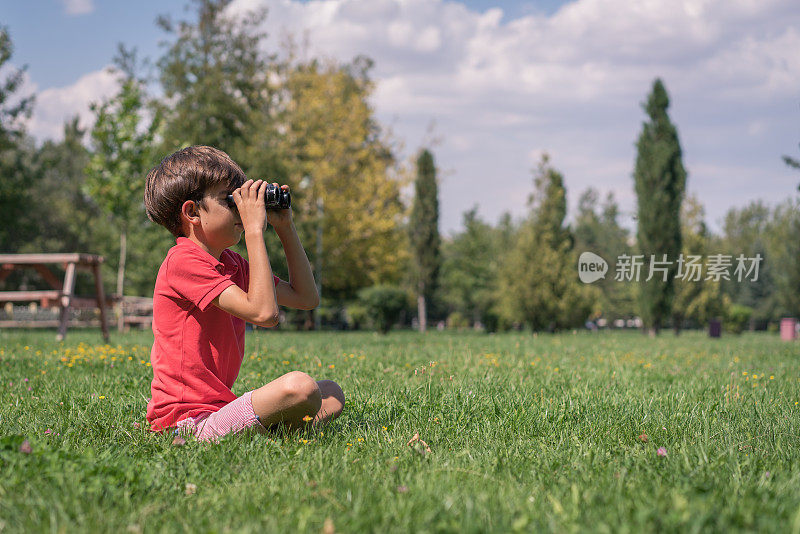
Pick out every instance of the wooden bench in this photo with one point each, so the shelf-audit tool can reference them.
(62, 292)
(137, 311)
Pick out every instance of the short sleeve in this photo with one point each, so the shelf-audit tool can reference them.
(197, 280)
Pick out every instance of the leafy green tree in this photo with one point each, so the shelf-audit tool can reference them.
(383, 305)
(597, 230)
(221, 89)
(16, 152)
(66, 217)
(215, 78)
(783, 248)
(737, 317)
(696, 299)
(660, 181)
(587, 228)
(424, 234)
(334, 147)
(469, 270)
(305, 123)
(122, 151)
(758, 230)
(538, 283)
(745, 232)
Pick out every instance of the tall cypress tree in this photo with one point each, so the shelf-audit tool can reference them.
(424, 230)
(660, 186)
(537, 282)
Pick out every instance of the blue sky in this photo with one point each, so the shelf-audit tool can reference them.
(501, 86)
(58, 46)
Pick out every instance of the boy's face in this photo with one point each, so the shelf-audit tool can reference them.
(221, 225)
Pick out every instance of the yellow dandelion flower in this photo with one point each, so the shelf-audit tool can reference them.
(331, 366)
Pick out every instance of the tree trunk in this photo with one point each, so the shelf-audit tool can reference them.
(421, 313)
(123, 252)
(677, 322)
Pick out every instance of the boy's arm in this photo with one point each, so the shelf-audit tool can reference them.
(259, 304)
(301, 291)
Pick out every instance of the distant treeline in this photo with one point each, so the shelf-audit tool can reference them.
(309, 123)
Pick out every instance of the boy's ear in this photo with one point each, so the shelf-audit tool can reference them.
(190, 212)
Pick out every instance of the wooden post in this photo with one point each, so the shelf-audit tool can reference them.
(66, 298)
(101, 299)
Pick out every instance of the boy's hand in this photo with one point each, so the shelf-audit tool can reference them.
(249, 201)
(280, 219)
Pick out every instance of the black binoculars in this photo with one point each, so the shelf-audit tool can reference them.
(275, 198)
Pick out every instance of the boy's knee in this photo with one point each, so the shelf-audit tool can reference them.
(302, 389)
(329, 388)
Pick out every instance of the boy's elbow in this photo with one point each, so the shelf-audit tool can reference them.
(313, 301)
(305, 301)
(268, 319)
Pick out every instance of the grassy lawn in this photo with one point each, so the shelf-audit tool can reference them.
(527, 433)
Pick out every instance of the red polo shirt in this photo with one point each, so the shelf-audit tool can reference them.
(198, 347)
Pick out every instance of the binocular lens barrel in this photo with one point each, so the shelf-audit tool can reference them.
(274, 198)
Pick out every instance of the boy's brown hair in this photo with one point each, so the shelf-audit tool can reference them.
(186, 175)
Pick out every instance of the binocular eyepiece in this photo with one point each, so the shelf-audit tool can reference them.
(275, 198)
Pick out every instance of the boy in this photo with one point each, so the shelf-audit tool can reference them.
(204, 293)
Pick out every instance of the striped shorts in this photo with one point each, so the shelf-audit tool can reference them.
(234, 417)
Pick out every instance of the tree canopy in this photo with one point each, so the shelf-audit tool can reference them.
(660, 183)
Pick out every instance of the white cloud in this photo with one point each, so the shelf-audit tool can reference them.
(571, 84)
(78, 7)
(56, 105)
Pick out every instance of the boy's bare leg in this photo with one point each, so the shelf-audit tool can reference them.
(295, 395)
(332, 401)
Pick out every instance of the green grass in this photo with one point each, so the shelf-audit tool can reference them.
(527, 433)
